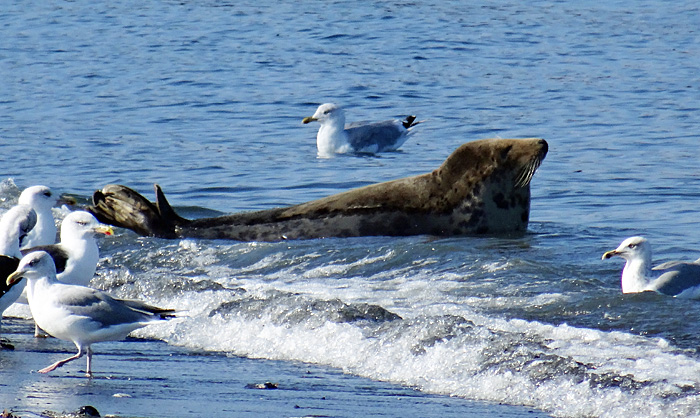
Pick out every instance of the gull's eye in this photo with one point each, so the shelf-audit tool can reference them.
(327, 112)
(47, 194)
(632, 246)
(82, 223)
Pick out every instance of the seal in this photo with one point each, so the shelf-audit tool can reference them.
(483, 187)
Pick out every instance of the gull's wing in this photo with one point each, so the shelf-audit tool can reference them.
(677, 277)
(386, 135)
(98, 306)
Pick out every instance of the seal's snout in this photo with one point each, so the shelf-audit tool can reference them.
(544, 147)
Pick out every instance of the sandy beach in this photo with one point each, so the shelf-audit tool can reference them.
(141, 378)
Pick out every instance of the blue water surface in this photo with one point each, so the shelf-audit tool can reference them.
(206, 99)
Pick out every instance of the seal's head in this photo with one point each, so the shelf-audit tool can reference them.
(487, 183)
(511, 160)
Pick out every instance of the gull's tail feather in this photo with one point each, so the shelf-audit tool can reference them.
(410, 122)
(161, 313)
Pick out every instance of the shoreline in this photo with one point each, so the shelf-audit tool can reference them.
(147, 378)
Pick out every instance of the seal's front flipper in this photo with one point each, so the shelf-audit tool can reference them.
(124, 207)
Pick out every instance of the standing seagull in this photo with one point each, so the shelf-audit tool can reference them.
(77, 255)
(674, 278)
(15, 224)
(78, 313)
(334, 137)
(41, 199)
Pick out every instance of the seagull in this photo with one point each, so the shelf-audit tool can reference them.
(334, 137)
(41, 199)
(15, 224)
(674, 278)
(77, 255)
(77, 313)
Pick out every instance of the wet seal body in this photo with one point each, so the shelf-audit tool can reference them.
(482, 188)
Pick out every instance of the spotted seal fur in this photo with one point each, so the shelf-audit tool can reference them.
(482, 188)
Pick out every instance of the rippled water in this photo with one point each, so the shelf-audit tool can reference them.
(206, 99)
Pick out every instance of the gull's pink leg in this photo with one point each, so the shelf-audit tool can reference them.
(60, 363)
(89, 362)
(39, 333)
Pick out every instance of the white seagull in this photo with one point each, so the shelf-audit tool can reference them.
(334, 137)
(674, 278)
(77, 255)
(41, 199)
(15, 224)
(78, 313)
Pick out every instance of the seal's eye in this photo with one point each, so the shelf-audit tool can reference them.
(505, 152)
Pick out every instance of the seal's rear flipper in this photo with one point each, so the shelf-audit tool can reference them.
(121, 206)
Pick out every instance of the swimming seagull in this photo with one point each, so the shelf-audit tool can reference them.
(15, 224)
(78, 313)
(77, 255)
(336, 137)
(41, 199)
(674, 278)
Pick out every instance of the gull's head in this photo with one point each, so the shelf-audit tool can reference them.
(16, 224)
(634, 248)
(327, 112)
(81, 225)
(40, 198)
(34, 265)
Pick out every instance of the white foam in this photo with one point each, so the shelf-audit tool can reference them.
(463, 364)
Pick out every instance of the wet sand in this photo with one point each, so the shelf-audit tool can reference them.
(142, 378)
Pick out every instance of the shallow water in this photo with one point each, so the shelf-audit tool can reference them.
(206, 99)
(145, 378)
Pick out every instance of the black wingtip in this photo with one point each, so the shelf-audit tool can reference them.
(410, 121)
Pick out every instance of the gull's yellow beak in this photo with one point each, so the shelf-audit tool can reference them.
(104, 229)
(14, 278)
(610, 254)
(308, 119)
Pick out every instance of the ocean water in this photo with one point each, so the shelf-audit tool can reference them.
(206, 99)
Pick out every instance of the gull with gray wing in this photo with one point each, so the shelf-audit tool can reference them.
(77, 313)
(674, 278)
(334, 137)
(77, 255)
